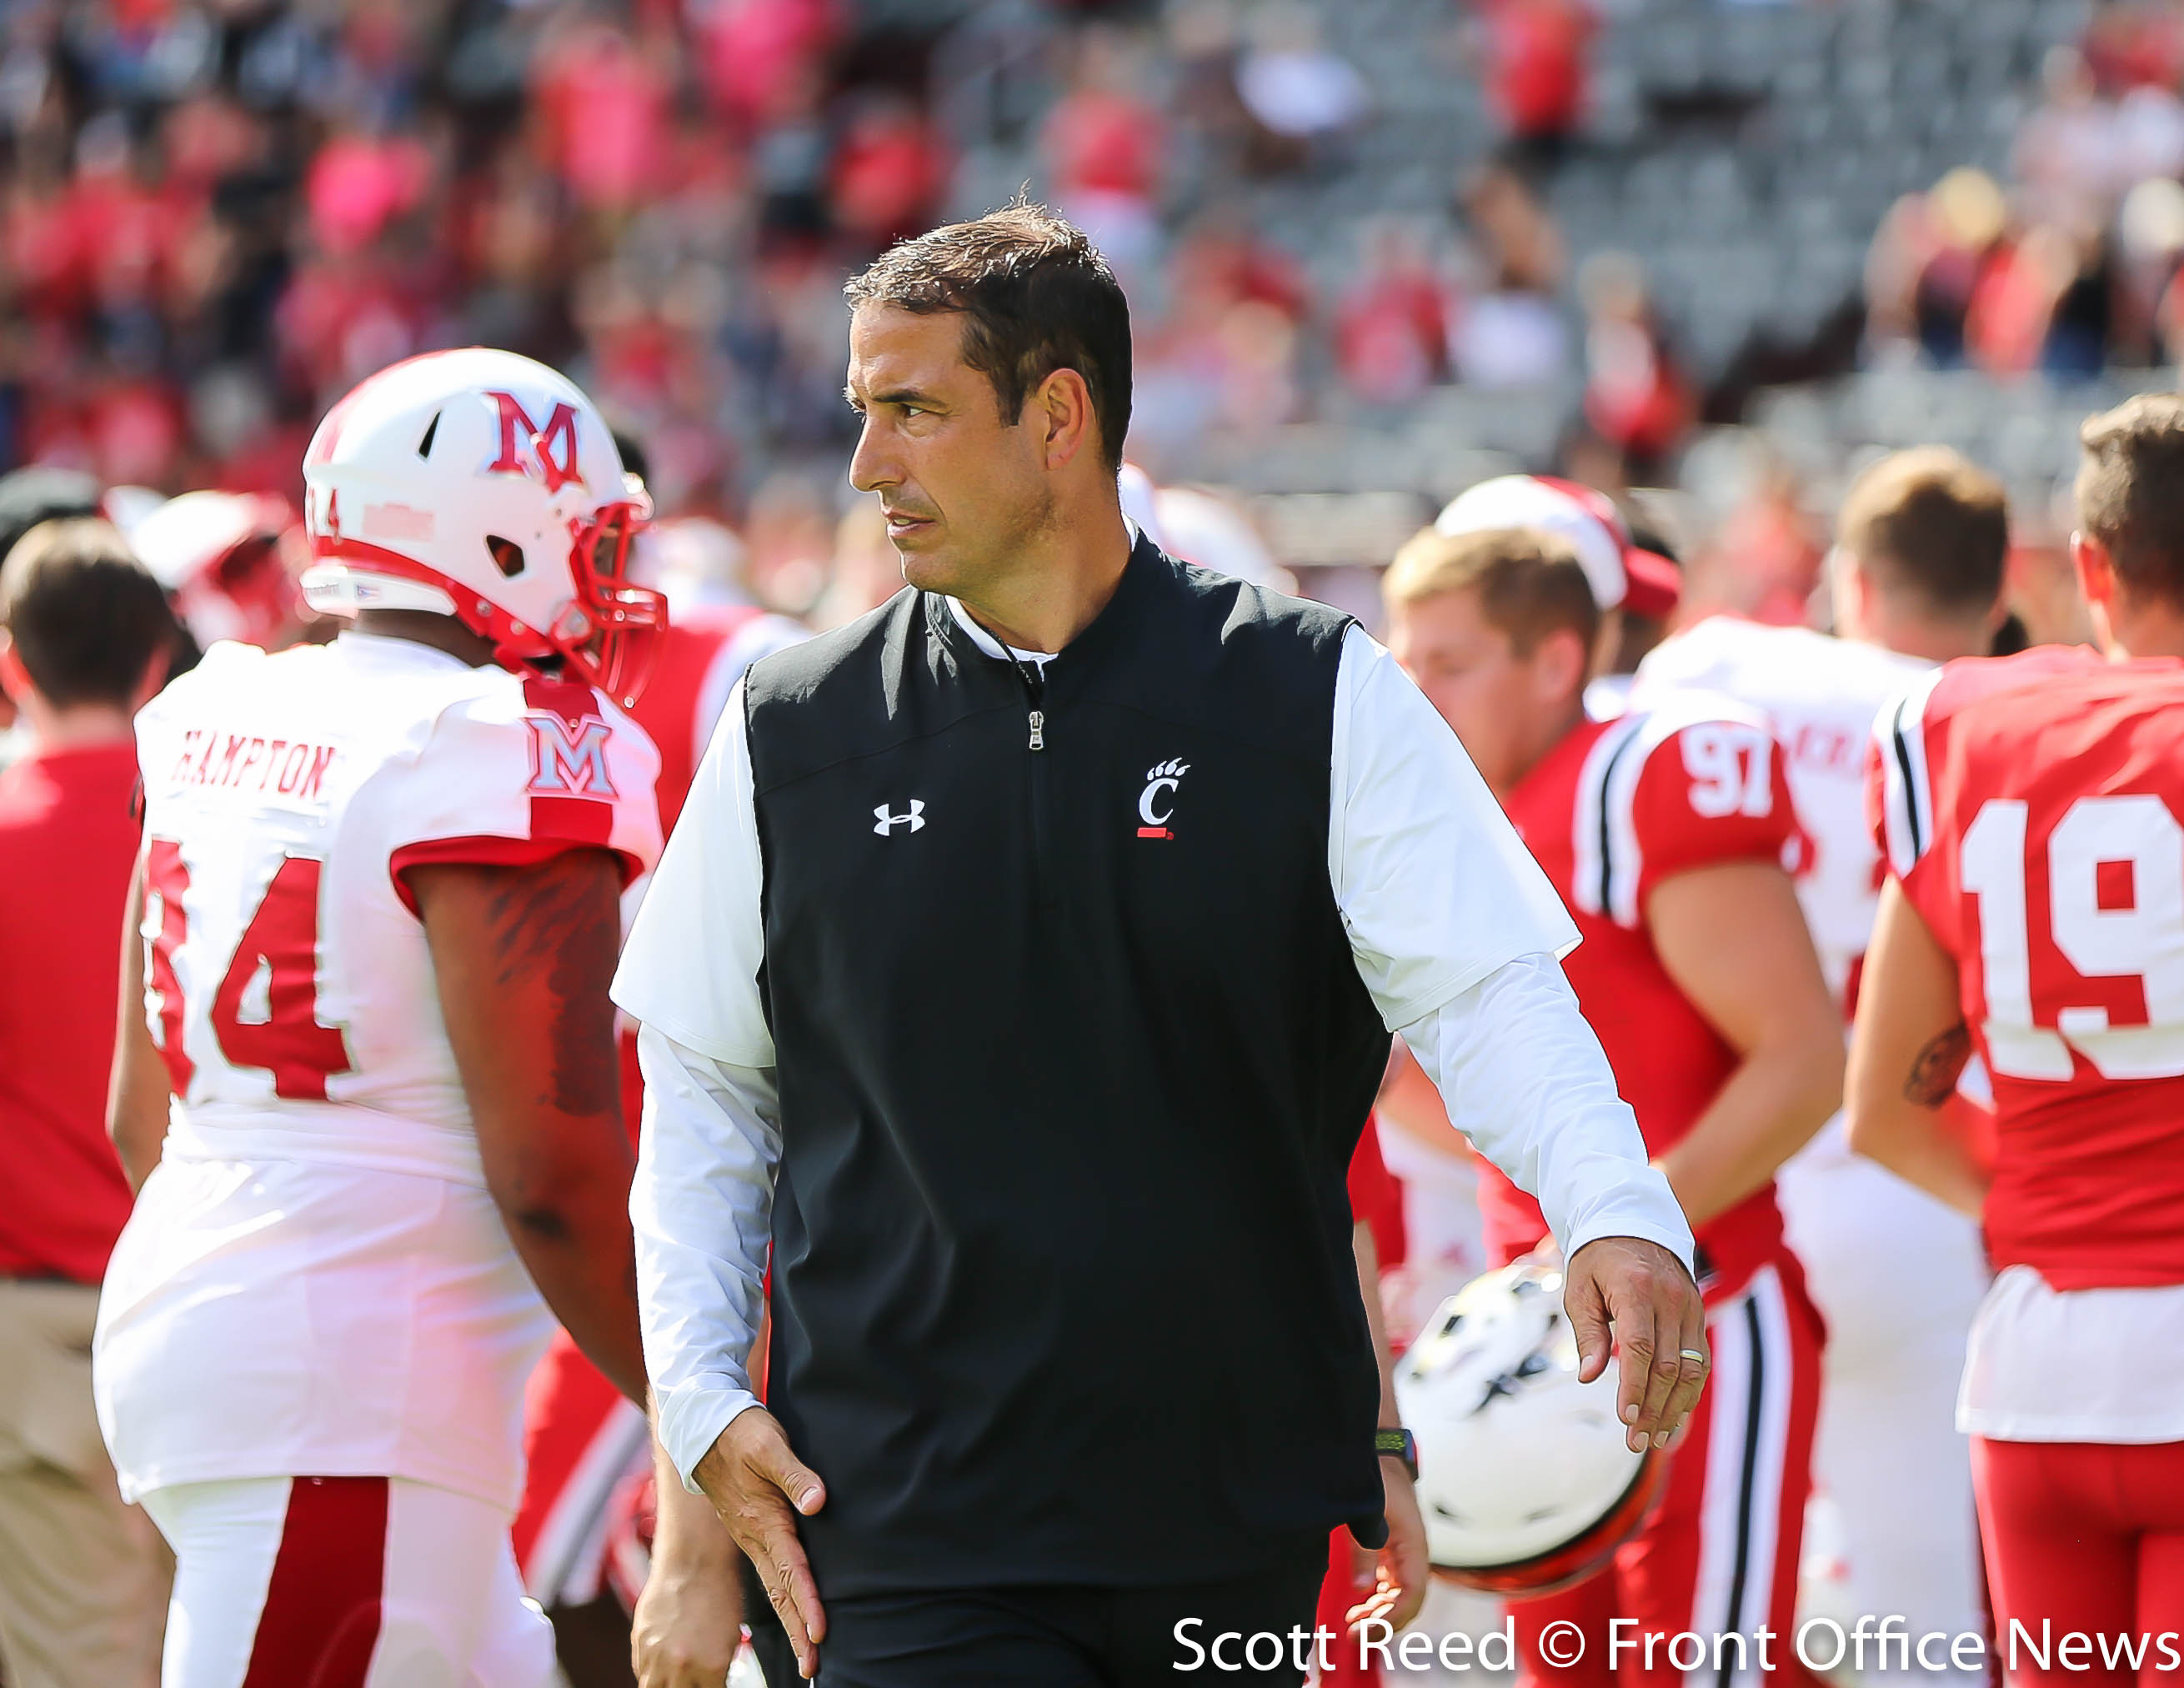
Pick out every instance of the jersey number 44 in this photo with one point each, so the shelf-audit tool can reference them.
(279, 946)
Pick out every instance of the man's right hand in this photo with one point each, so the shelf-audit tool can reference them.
(1629, 1295)
(759, 1487)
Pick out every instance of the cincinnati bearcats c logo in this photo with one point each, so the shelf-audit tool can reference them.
(1163, 779)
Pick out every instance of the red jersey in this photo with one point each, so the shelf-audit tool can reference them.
(702, 654)
(2032, 809)
(68, 843)
(1611, 810)
(1376, 1197)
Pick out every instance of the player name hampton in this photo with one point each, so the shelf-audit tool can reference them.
(294, 767)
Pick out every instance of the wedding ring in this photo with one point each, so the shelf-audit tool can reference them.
(1697, 1353)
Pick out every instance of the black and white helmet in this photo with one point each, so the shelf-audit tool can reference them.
(1525, 1478)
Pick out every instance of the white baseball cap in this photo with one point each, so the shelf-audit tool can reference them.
(1621, 574)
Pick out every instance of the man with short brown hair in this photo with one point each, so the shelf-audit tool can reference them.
(1920, 544)
(1529, 582)
(2130, 491)
(1023, 967)
(83, 1578)
(28, 497)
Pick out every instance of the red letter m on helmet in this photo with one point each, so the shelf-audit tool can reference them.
(518, 434)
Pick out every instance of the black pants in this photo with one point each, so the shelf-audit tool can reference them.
(1057, 1637)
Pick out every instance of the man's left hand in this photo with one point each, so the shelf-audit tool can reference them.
(1400, 1578)
(1625, 1293)
(687, 1624)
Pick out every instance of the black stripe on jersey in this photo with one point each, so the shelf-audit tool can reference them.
(1607, 860)
(1747, 1479)
(1910, 790)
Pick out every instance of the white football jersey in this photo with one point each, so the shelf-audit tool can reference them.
(1820, 695)
(315, 1281)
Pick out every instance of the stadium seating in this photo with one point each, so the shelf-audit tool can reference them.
(1744, 152)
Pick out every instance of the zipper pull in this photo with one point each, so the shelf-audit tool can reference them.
(1038, 729)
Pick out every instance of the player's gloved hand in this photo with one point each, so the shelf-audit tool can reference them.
(759, 1487)
(1400, 1577)
(1637, 1295)
(687, 1624)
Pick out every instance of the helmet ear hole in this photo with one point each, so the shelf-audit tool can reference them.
(507, 555)
(431, 429)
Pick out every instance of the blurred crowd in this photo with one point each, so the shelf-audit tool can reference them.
(219, 216)
(220, 213)
(2071, 266)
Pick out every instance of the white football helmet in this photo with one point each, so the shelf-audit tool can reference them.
(482, 485)
(1526, 1481)
(219, 556)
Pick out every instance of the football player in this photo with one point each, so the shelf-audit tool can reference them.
(1665, 831)
(368, 1088)
(1916, 580)
(2031, 813)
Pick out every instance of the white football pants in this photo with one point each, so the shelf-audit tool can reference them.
(1898, 1276)
(344, 1582)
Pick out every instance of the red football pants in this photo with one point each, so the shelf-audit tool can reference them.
(582, 1441)
(2088, 1536)
(1719, 1558)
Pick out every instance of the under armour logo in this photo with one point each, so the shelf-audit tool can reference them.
(1160, 780)
(886, 823)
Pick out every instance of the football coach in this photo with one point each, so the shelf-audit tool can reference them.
(1022, 970)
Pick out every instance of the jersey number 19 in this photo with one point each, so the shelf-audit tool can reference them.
(2139, 935)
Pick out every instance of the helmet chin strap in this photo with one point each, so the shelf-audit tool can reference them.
(516, 662)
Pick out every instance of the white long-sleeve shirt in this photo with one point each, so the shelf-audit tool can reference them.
(1454, 930)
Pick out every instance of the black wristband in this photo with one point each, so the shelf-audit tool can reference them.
(1398, 1445)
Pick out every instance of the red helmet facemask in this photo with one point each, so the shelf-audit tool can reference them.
(611, 631)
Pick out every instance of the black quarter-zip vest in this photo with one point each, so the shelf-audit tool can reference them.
(1072, 1057)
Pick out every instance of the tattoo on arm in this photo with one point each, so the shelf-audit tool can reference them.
(1934, 1072)
(554, 918)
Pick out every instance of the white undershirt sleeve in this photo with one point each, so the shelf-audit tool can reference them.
(702, 1201)
(1435, 887)
(690, 966)
(1456, 933)
(702, 1207)
(1522, 1073)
